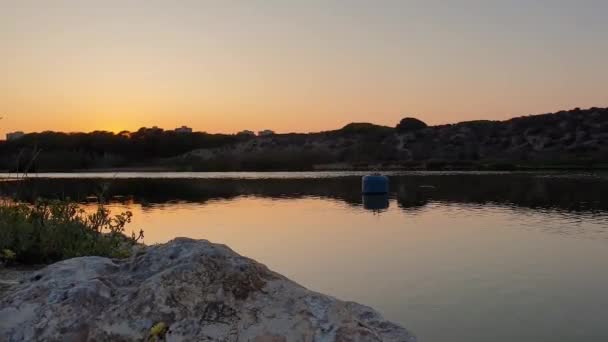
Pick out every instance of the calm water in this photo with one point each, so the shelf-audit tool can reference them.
(452, 256)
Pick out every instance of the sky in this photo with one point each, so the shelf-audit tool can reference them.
(294, 66)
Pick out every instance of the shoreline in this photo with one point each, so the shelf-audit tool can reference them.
(460, 167)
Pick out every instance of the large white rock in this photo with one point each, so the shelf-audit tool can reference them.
(201, 291)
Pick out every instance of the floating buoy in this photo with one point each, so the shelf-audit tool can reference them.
(374, 184)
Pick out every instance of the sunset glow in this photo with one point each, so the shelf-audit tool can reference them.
(316, 65)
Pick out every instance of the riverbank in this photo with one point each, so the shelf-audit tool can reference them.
(346, 167)
(183, 290)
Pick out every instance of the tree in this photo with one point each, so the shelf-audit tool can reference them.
(410, 124)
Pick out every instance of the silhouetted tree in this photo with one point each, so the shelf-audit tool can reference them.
(410, 124)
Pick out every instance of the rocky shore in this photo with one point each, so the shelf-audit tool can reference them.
(184, 290)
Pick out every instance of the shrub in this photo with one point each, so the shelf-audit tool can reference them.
(49, 231)
(410, 124)
(365, 128)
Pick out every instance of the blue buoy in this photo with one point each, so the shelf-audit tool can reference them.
(374, 184)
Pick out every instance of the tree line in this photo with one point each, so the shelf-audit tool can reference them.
(102, 149)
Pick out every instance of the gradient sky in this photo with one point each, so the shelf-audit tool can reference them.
(223, 66)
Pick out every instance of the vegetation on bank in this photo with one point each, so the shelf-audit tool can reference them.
(49, 231)
(577, 138)
(57, 151)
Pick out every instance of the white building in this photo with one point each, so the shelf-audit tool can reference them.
(266, 133)
(183, 129)
(14, 135)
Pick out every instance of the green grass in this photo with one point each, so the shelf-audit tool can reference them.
(50, 231)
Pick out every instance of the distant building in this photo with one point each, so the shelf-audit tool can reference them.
(14, 135)
(247, 133)
(266, 133)
(183, 129)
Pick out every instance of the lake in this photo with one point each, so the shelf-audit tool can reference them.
(451, 256)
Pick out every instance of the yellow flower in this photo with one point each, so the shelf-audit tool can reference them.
(158, 331)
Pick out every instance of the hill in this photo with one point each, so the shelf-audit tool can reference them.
(576, 138)
(566, 139)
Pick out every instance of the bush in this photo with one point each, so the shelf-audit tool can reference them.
(51, 231)
(365, 128)
(410, 124)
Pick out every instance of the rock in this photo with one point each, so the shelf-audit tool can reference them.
(10, 277)
(185, 290)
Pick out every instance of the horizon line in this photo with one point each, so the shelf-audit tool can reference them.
(293, 132)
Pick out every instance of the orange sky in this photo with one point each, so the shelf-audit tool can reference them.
(294, 66)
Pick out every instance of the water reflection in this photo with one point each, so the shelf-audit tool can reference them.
(456, 257)
(480, 272)
(376, 203)
(412, 192)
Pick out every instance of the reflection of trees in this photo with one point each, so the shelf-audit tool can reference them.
(155, 191)
(411, 197)
(522, 190)
(411, 192)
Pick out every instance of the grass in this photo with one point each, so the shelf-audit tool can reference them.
(49, 231)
